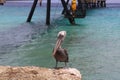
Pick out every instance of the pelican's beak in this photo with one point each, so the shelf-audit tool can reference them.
(57, 45)
(61, 36)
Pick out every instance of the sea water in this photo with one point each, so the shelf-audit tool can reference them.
(92, 44)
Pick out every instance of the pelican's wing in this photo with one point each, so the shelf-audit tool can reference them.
(66, 54)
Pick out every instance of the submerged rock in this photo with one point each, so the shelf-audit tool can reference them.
(38, 73)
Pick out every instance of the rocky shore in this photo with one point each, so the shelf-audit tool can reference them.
(38, 73)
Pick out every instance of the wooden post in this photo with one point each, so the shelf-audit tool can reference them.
(71, 19)
(66, 4)
(32, 11)
(48, 12)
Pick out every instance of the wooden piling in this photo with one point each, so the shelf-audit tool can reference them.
(32, 11)
(66, 4)
(101, 3)
(48, 12)
(71, 19)
(95, 3)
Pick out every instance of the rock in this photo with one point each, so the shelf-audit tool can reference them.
(38, 73)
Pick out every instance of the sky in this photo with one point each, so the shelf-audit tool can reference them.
(56, 1)
(113, 1)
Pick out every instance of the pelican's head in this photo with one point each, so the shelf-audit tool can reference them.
(60, 38)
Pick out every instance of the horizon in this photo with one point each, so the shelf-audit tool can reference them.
(56, 1)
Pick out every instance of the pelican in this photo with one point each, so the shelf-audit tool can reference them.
(59, 53)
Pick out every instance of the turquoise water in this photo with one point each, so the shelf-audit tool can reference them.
(93, 43)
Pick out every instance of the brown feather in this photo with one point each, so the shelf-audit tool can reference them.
(61, 55)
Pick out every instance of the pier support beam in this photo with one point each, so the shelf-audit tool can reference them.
(32, 11)
(82, 8)
(48, 12)
(71, 19)
(66, 4)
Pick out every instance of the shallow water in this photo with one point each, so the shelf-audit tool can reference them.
(93, 43)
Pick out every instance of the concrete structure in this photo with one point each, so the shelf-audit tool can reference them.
(38, 73)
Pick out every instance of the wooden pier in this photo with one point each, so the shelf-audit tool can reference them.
(79, 6)
(95, 3)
